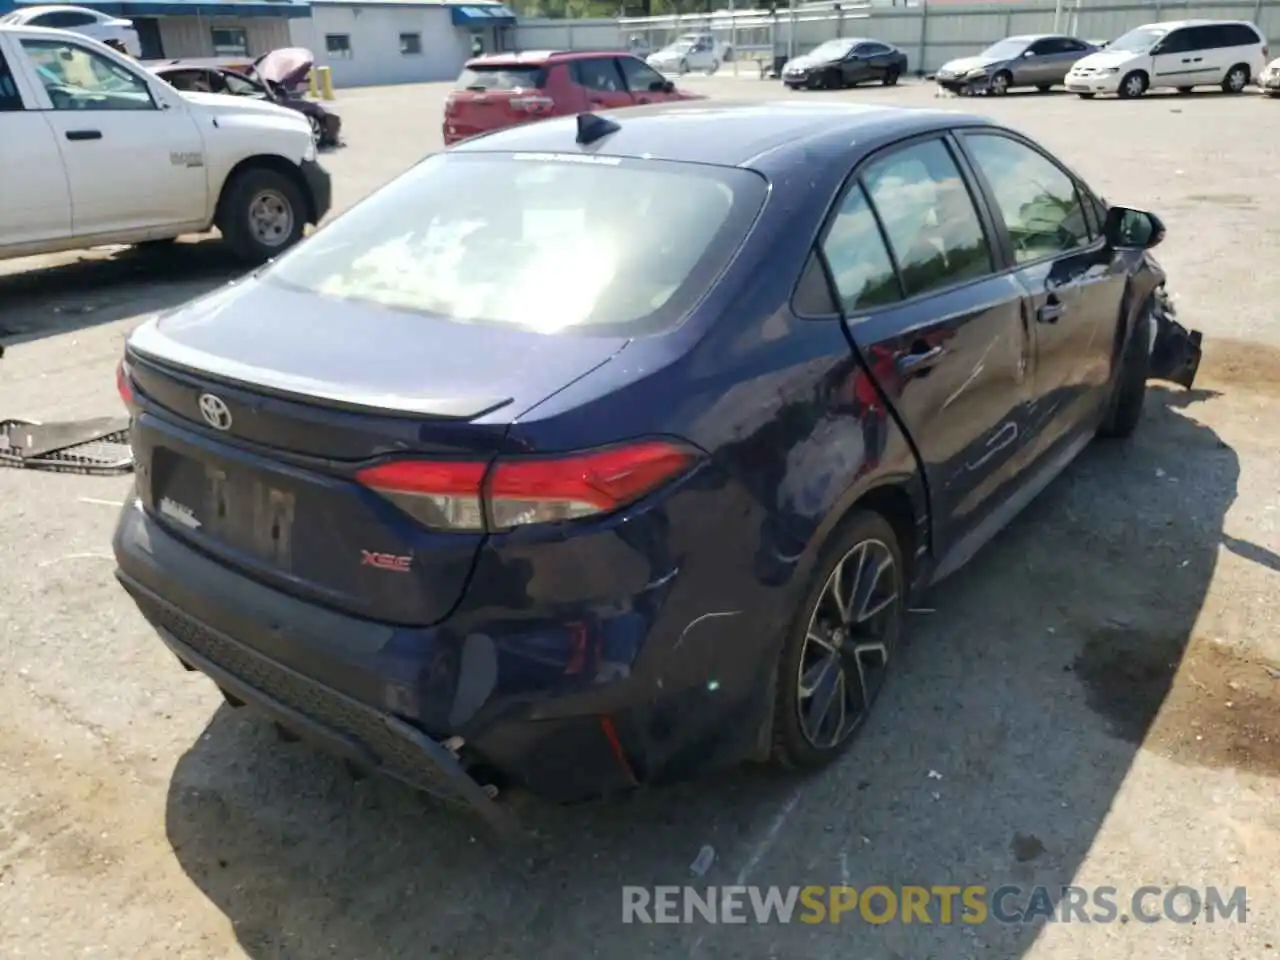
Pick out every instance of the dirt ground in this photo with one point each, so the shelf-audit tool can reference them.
(1095, 700)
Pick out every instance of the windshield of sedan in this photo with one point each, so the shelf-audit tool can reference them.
(680, 46)
(832, 49)
(1137, 41)
(544, 242)
(1005, 49)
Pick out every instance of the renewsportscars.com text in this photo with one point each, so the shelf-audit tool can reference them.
(941, 904)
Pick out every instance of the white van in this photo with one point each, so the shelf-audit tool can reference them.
(1179, 53)
(95, 149)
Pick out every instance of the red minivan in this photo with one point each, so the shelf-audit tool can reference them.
(503, 89)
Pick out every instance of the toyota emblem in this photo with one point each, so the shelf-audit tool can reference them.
(215, 412)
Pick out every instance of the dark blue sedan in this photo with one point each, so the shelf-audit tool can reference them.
(607, 450)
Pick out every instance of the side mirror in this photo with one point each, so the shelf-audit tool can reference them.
(1132, 229)
(1029, 53)
(664, 86)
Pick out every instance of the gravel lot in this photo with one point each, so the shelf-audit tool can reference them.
(1092, 701)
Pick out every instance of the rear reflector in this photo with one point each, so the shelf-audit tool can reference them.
(469, 496)
(124, 386)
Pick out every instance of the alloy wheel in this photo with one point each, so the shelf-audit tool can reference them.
(1236, 80)
(847, 644)
(1000, 84)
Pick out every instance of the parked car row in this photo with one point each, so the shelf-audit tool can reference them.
(1180, 55)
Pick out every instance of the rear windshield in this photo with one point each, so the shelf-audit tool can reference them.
(574, 244)
(502, 78)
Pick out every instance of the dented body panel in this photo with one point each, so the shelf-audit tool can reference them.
(583, 657)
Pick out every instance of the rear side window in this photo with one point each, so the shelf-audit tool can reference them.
(9, 97)
(1238, 35)
(599, 73)
(855, 252)
(929, 218)
(502, 78)
(1036, 197)
(610, 246)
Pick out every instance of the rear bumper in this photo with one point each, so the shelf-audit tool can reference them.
(319, 186)
(390, 697)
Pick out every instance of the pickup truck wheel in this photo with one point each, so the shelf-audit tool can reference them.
(1130, 387)
(262, 214)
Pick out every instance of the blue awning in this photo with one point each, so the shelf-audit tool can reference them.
(177, 8)
(489, 15)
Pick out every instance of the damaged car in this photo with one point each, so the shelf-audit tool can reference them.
(278, 77)
(612, 449)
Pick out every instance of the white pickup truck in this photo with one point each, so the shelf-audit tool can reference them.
(94, 150)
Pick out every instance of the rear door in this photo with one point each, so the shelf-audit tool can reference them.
(941, 327)
(36, 205)
(1073, 289)
(490, 96)
(876, 59)
(602, 83)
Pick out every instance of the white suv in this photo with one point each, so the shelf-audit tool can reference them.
(81, 20)
(1181, 54)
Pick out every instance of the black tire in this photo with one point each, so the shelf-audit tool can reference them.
(1000, 83)
(317, 130)
(1236, 80)
(715, 65)
(793, 743)
(1086, 96)
(237, 217)
(1273, 94)
(1133, 85)
(1130, 387)
(890, 78)
(684, 67)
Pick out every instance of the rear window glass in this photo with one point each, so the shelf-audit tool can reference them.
(570, 244)
(502, 78)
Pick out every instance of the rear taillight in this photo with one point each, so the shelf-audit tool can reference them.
(471, 496)
(124, 385)
(532, 104)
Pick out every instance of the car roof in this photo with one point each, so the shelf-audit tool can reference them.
(56, 8)
(764, 135)
(1177, 24)
(537, 58)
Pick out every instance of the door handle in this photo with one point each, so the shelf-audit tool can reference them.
(84, 134)
(1051, 311)
(919, 361)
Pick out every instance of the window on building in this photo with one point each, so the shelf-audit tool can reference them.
(338, 45)
(230, 42)
(410, 44)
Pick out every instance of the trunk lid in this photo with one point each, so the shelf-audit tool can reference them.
(489, 96)
(257, 405)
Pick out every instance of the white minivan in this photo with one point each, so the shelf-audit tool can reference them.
(1181, 54)
(96, 150)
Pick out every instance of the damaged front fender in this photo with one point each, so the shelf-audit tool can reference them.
(1175, 350)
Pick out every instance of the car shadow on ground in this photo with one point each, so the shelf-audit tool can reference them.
(1032, 679)
(82, 289)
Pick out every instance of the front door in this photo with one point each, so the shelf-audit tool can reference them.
(1176, 62)
(940, 327)
(36, 205)
(131, 163)
(1073, 292)
(645, 84)
(602, 82)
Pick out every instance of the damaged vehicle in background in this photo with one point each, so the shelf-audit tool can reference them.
(278, 77)
(1040, 61)
(610, 450)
